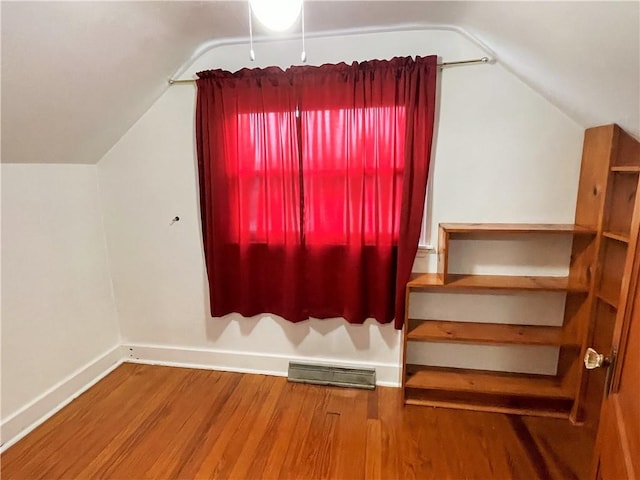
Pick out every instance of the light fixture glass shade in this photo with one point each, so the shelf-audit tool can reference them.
(276, 15)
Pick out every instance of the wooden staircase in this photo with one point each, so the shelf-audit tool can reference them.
(605, 208)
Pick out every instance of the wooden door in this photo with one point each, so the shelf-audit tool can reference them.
(617, 451)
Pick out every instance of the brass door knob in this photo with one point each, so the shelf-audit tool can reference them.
(593, 359)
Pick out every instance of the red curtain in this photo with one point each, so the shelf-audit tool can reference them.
(312, 186)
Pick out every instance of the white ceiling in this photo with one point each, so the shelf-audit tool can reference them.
(77, 75)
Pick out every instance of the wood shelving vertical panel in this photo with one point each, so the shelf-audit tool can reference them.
(613, 257)
(618, 229)
(590, 207)
(620, 203)
(594, 173)
(604, 319)
(443, 253)
(581, 266)
(627, 151)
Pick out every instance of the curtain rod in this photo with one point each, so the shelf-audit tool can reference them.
(441, 65)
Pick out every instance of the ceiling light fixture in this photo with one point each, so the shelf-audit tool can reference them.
(276, 15)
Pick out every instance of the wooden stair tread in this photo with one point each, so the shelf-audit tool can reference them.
(487, 333)
(482, 381)
(516, 228)
(429, 281)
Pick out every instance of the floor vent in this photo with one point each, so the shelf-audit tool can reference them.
(328, 375)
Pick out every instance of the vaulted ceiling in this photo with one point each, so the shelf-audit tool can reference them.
(77, 75)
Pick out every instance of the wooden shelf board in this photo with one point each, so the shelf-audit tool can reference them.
(626, 168)
(486, 408)
(431, 281)
(608, 297)
(485, 382)
(621, 237)
(517, 228)
(487, 333)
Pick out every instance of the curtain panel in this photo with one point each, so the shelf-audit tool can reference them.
(312, 186)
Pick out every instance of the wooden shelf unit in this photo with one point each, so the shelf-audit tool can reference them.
(606, 229)
(494, 391)
(449, 231)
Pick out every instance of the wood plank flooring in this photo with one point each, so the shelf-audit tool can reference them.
(143, 422)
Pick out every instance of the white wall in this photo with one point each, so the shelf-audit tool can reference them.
(502, 153)
(58, 311)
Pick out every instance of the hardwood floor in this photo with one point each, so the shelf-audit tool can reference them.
(159, 422)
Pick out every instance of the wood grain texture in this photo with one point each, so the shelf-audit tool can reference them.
(487, 333)
(594, 174)
(159, 422)
(627, 151)
(610, 297)
(613, 258)
(621, 196)
(517, 228)
(443, 254)
(448, 231)
(481, 381)
(607, 200)
(617, 451)
(477, 403)
(626, 168)
(621, 237)
(431, 281)
(597, 154)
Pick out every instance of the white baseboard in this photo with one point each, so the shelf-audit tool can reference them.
(50, 402)
(19, 424)
(387, 375)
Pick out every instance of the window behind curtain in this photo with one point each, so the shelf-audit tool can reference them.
(352, 161)
(312, 185)
(266, 200)
(343, 193)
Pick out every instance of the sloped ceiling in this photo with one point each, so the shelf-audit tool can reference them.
(77, 75)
